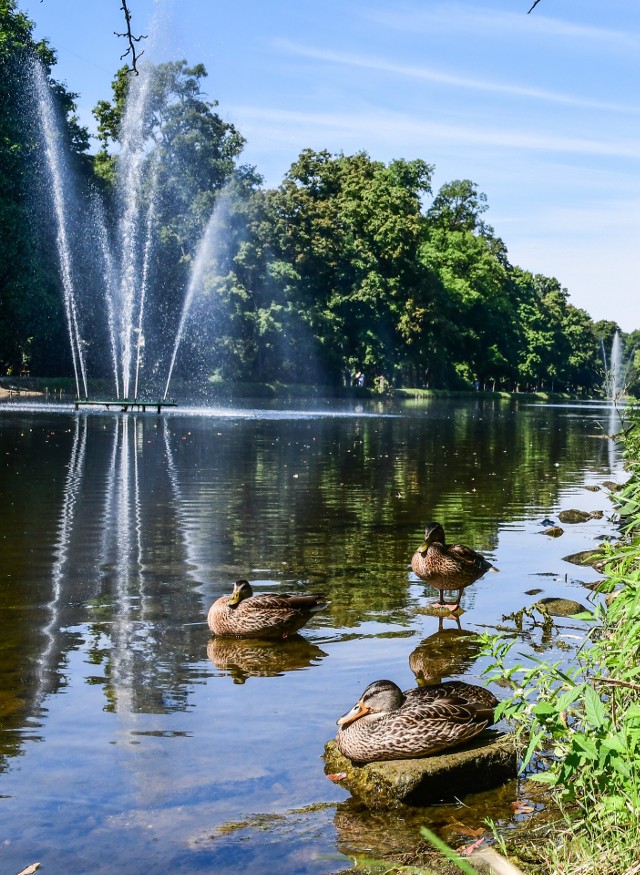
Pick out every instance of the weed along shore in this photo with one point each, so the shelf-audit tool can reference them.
(579, 727)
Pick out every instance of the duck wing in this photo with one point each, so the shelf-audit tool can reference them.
(306, 603)
(453, 716)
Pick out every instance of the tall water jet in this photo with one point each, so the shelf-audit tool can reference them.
(203, 259)
(57, 173)
(616, 371)
(110, 274)
(130, 178)
(615, 366)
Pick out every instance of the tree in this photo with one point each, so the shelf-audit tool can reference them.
(477, 327)
(347, 231)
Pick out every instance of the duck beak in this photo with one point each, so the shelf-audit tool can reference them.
(358, 710)
(234, 598)
(423, 549)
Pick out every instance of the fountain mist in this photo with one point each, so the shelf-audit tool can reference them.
(204, 256)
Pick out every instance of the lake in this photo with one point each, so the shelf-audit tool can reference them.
(131, 740)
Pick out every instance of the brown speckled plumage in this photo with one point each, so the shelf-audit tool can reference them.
(387, 724)
(244, 615)
(447, 566)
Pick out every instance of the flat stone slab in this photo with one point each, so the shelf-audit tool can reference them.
(486, 762)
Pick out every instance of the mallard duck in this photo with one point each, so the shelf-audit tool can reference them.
(387, 724)
(245, 615)
(447, 566)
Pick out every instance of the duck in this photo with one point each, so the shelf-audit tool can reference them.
(448, 566)
(388, 724)
(245, 615)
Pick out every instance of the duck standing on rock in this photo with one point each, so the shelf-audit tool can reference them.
(245, 615)
(387, 724)
(447, 566)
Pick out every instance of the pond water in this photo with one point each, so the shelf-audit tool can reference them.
(131, 741)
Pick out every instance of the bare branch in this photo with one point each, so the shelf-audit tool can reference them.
(534, 6)
(132, 40)
(615, 683)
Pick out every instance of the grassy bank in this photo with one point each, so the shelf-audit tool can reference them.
(220, 391)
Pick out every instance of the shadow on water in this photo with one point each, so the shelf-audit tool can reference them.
(119, 531)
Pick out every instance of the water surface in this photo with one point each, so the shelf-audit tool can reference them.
(130, 739)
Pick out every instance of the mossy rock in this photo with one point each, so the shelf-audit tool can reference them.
(612, 486)
(574, 516)
(559, 607)
(593, 558)
(484, 763)
(553, 531)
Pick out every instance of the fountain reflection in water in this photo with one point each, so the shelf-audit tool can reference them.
(68, 514)
(117, 253)
(117, 573)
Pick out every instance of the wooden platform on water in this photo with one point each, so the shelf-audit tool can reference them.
(125, 404)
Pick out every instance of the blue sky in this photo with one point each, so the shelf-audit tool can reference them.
(541, 111)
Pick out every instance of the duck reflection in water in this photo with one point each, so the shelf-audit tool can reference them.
(447, 567)
(270, 615)
(446, 653)
(243, 658)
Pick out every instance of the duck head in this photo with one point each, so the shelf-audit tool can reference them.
(433, 532)
(241, 590)
(379, 698)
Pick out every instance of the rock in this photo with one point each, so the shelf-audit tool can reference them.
(594, 558)
(593, 487)
(574, 516)
(553, 532)
(486, 762)
(612, 486)
(558, 607)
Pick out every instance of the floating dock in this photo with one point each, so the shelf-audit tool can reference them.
(125, 404)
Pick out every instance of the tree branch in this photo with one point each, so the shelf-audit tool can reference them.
(133, 40)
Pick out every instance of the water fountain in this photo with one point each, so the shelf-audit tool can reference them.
(121, 260)
(616, 370)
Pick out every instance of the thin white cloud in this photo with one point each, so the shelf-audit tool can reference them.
(442, 78)
(496, 22)
(390, 128)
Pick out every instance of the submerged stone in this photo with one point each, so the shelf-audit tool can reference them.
(559, 607)
(574, 516)
(553, 531)
(593, 558)
(484, 763)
